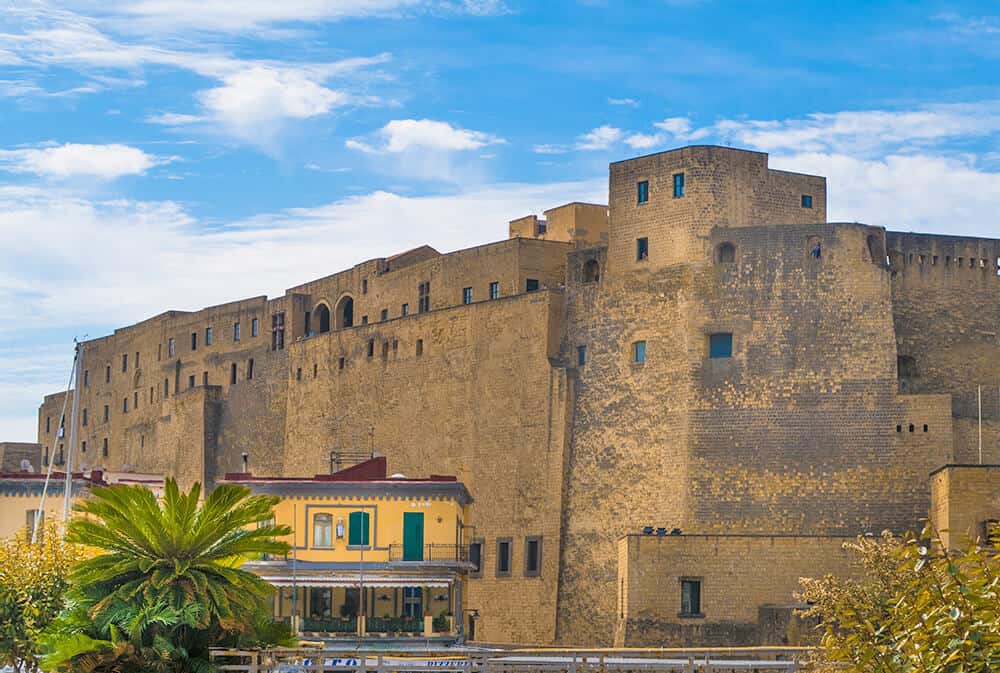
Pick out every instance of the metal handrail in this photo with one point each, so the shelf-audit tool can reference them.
(432, 553)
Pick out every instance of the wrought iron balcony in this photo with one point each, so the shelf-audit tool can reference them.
(431, 554)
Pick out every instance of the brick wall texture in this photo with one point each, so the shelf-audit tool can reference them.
(854, 373)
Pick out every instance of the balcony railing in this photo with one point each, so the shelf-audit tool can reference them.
(430, 553)
(344, 625)
(394, 625)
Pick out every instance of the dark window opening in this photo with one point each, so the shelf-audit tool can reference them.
(371, 347)
(642, 191)
(726, 253)
(124, 362)
(384, 315)
(385, 349)
(135, 404)
(191, 381)
(166, 388)
(204, 378)
(912, 427)
(254, 327)
(278, 331)
(364, 286)
(308, 324)
(690, 598)
(86, 378)
(925, 427)
(678, 185)
(395, 346)
(466, 295)
(807, 201)
(364, 320)
(581, 356)
(125, 405)
(720, 345)
(899, 428)
(232, 374)
(83, 447)
(48, 424)
(250, 369)
(641, 249)
(476, 558)
(341, 363)
(107, 412)
(298, 374)
(420, 346)
(405, 309)
(531, 285)
(495, 290)
(194, 341)
(84, 416)
(503, 556)
(209, 338)
(532, 556)
(591, 271)
(104, 448)
(236, 331)
(315, 370)
(424, 297)
(170, 347)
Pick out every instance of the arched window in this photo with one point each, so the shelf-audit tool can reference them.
(591, 271)
(726, 253)
(322, 315)
(345, 313)
(323, 530)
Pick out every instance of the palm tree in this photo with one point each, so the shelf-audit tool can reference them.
(169, 573)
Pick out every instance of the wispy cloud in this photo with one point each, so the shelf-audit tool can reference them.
(401, 135)
(104, 162)
(627, 102)
(600, 138)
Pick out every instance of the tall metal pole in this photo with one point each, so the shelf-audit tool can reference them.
(295, 583)
(48, 474)
(73, 423)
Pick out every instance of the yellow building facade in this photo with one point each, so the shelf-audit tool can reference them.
(371, 555)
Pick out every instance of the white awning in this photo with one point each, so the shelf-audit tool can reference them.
(353, 581)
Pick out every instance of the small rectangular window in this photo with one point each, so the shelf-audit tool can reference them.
(466, 295)
(581, 356)
(107, 413)
(135, 404)
(254, 327)
(405, 309)
(191, 381)
(232, 374)
(236, 331)
(204, 378)
(641, 249)
(476, 558)
(166, 388)
(86, 378)
(690, 597)
(424, 297)
(531, 285)
(495, 290)
(85, 416)
(503, 556)
(308, 324)
(364, 320)
(250, 369)
(384, 315)
(385, 349)
(642, 191)
(208, 336)
(371, 348)
(807, 201)
(124, 362)
(159, 352)
(532, 556)
(420, 346)
(298, 374)
(83, 447)
(341, 363)
(48, 424)
(678, 185)
(137, 359)
(104, 448)
(194, 341)
(278, 331)
(107, 374)
(125, 405)
(364, 286)
(315, 370)
(639, 352)
(170, 347)
(720, 345)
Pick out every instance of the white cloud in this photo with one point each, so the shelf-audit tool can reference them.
(600, 138)
(159, 16)
(402, 135)
(550, 149)
(105, 162)
(644, 141)
(627, 102)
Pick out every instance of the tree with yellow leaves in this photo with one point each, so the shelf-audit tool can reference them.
(34, 579)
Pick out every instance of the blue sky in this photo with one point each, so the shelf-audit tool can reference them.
(163, 154)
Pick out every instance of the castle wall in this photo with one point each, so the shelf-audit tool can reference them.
(946, 312)
(795, 433)
(480, 401)
(964, 498)
(722, 188)
(738, 576)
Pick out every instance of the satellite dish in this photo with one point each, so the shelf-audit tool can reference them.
(398, 475)
(26, 466)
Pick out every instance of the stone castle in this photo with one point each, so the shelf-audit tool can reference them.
(705, 355)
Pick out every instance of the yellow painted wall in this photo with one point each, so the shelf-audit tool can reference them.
(16, 503)
(441, 524)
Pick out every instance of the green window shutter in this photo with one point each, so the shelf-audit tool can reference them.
(359, 526)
